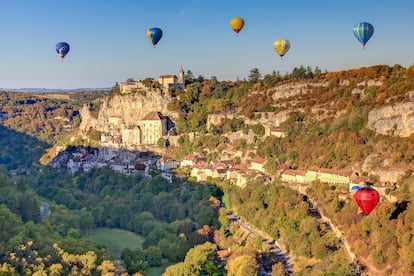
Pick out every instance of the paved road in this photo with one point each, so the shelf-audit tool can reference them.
(273, 246)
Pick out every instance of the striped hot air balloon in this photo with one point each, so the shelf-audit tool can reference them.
(363, 32)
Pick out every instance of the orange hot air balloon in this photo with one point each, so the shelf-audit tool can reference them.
(237, 24)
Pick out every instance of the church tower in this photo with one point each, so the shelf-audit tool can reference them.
(181, 79)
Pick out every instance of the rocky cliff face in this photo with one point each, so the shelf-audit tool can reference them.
(293, 89)
(393, 119)
(128, 108)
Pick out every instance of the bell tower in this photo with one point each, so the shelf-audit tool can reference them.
(181, 78)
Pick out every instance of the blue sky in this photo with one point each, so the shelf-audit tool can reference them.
(109, 44)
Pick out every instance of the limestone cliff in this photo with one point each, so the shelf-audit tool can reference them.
(393, 119)
(128, 109)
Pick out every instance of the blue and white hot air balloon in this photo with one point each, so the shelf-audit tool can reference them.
(62, 48)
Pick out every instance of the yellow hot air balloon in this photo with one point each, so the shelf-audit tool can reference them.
(281, 46)
(237, 24)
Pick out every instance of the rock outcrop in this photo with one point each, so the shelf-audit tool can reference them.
(127, 109)
(293, 89)
(394, 119)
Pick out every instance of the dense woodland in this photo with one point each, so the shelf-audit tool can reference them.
(48, 117)
(177, 219)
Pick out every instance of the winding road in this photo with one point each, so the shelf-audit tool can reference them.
(281, 255)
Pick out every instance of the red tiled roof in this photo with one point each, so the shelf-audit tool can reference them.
(294, 172)
(258, 160)
(283, 166)
(154, 115)
(223, 254)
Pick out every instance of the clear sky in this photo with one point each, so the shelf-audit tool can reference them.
(109, 44)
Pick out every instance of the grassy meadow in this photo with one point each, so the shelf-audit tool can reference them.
(116, 239)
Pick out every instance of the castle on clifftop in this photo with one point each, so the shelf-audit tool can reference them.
(166, 82)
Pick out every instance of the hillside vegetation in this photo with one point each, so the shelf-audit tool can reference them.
(48, 117)
(357, 119)
(325, 117)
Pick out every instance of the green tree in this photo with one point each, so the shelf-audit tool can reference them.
(9, 227)
(255, 75)
(258, 129)
(189, 77)
(154, 256)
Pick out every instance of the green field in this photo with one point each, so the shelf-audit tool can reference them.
(115, 239)
(118, 239)
(156, 271)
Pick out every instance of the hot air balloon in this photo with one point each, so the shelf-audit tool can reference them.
(62, 48)
(237, 24)
(366, 198)
(281, 46)
(154, 35)
(354, 189)
(363, 32)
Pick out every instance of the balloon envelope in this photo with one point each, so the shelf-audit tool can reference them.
(62, 48)
(354, 189)
(367, 199)
(363, 32)
(281, 46)
(237, 24)
(154, 35)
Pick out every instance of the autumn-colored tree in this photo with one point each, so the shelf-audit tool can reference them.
(243, 265)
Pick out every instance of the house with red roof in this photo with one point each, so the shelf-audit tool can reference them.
(257, 164)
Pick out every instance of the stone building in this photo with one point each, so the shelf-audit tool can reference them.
(131, 86)
(131, 136)
(153, 127)
(172, 81)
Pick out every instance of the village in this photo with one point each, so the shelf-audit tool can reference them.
(241, 174)
(130, 148)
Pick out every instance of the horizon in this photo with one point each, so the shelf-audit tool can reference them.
(51, 89)
(108, 47)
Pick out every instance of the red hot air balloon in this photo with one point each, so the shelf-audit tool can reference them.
(366, 198)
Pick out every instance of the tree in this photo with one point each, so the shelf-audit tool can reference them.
(189, 76)
(86, 222)
(211, 269)
(258, 129)
(9, 226)
(154, 255)
(243, 265)
(29, 207)
(162, 142)
(255, 75)
(317, 72)
(278, 270)
(181, 269)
